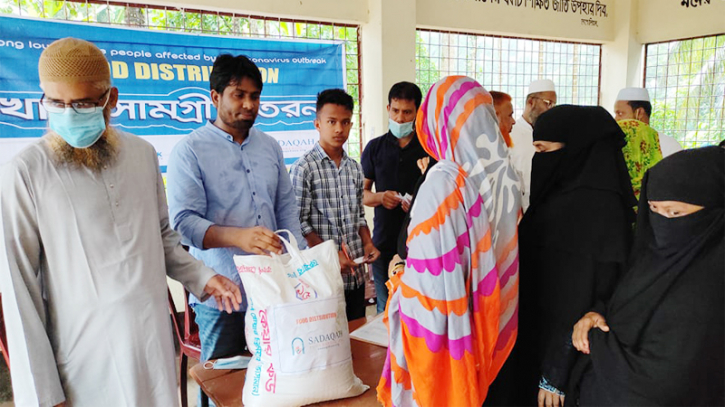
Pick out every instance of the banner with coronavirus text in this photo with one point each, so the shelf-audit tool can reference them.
(163, 82)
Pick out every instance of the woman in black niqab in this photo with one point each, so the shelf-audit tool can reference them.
(666, 339)
(574, 240)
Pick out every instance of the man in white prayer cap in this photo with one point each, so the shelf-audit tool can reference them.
(540, 98)
(85, 248)
(634, 103)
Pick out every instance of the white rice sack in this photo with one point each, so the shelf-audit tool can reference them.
(296, 328)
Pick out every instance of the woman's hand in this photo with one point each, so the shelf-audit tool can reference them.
(423, 164)
(395, 266)
(580, 336)
(549, 399)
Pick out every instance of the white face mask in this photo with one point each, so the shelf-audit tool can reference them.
(400, 130)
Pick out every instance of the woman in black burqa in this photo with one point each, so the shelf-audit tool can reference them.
(661, 337)
(574, 242)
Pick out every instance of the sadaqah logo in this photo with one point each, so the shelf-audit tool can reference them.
(325, 339)
(298, 346)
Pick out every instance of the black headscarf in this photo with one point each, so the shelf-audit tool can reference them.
(575, 238)
(667, 339)
(566, 185)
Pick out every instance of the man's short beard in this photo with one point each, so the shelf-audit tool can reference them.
(102, 153)
(243, 124)
(533, 117)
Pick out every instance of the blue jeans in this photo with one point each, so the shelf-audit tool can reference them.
(380, 277)
(221, 334)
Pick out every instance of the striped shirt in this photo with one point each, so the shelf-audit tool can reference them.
(330, 203)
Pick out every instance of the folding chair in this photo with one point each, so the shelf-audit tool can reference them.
(3, 337)
(189, 344)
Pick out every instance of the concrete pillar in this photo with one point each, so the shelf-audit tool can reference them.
(388, 56)
(623, 58)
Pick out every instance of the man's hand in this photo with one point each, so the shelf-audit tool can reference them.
(225, 292)
(371, 253)
(258, 240)
(390, 199)
(580, 336)
(405, 205)
(346, 265)
(549, 399)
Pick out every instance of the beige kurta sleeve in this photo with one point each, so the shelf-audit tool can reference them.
(34, 372)
(180, 265)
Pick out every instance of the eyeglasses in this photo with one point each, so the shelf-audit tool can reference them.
(57, 106)
(549, 103)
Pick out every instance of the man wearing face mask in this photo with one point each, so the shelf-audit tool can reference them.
(540, 97)
(390, 164)
(86, 247)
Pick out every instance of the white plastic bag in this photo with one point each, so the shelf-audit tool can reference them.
(296, 328)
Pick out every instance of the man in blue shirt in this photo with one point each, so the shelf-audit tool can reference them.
(390, 163)
(228, 191)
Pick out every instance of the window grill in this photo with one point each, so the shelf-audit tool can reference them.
(509, 64)
(686, 82)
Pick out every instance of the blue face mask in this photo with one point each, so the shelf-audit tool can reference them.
(400, 130)
(80, 130)
(235, 362)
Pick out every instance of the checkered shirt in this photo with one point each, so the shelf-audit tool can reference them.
(330, 202)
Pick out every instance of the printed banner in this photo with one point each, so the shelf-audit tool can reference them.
(163, 82)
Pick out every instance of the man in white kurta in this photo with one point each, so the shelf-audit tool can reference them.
(84, 256)
(634, 103)
(668, 145)
(540, 97)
